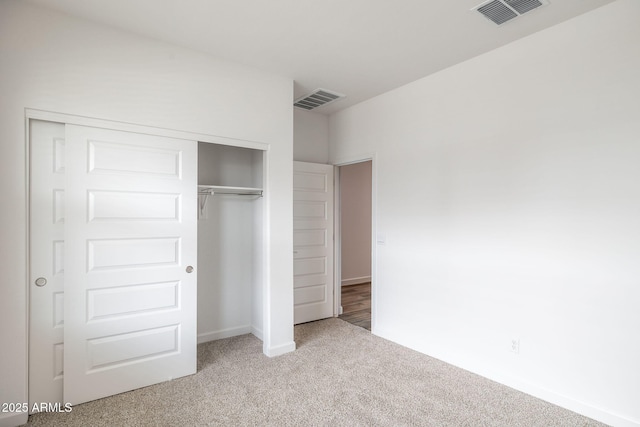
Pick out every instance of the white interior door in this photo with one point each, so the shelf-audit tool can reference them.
(130, 235)
(46, 234)
(312, 241)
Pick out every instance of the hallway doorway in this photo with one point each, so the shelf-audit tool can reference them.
(355, 193)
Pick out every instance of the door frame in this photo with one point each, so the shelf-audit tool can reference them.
(35, 114)
(337, 240)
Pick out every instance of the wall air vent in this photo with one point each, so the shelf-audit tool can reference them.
(501, 11)
(317, 98)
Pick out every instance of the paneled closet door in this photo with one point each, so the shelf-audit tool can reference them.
(46, 261)
(313, 291)
(129, 265)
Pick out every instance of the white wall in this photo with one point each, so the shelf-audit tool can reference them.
(508, 191)
(355, 223)
(310, 136)
(52, 62)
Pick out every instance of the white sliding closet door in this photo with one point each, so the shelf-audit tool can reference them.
(46, 233)
(130, 235)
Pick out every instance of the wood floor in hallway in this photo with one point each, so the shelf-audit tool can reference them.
(356, 305)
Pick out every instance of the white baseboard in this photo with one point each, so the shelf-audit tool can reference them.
(257, 333)
(281, 349)
(563, 401)
(594, 412)
(13, 420)
(356, 280)
(224, 333)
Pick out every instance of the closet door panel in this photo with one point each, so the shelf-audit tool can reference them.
(130, 302)
(46, 234)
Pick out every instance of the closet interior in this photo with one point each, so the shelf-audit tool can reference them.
(230, 241)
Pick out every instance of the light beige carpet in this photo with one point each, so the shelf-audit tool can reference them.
(340, 375)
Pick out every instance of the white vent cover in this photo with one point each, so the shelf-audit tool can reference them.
(501, 11)
(317, 98)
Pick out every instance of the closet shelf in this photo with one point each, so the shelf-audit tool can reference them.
(221, 189)
(209, 190)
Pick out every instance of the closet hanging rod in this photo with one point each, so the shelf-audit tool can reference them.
(213, 193)
(210, 190)
(207, 190)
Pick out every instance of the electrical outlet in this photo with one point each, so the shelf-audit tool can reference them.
(515, 345)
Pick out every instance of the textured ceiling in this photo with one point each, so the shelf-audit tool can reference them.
(360, 48)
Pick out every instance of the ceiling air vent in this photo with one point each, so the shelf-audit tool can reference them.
(317, 98)
(501, 11)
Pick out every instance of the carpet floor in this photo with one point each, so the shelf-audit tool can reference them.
(340, 375)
